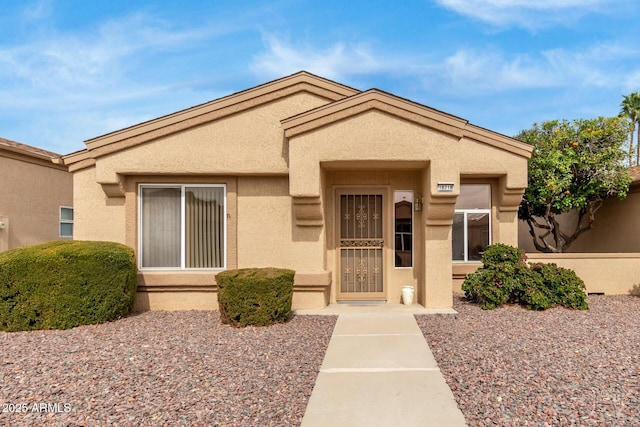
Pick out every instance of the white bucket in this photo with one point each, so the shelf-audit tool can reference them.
(407, 295)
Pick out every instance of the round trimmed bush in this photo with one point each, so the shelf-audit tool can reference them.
(255, 296)
(63, 284)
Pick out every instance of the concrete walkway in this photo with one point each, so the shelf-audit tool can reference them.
(379, 371)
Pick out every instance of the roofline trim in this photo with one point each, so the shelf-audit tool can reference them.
(332, 89)
(375, 99)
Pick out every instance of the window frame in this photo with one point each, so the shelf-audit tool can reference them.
(182, 187)
(65, 221)
(465, 222)
(403, 235)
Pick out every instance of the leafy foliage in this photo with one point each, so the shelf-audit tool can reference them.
(63, 284)
(574, 166)
(255, 296)
(498, 254)
(506, 278)
(563, 285)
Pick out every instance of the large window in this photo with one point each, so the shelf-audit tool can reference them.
(403, 224)
(182, 226)
(472, 222)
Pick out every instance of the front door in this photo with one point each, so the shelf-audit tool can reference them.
(360, 245)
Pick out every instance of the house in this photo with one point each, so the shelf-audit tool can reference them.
(360, 192)
(36, 196)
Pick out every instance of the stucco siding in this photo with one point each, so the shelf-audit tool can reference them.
(266, 234)
(611, 274)
(97, 217)
(31, 194)
(615, 230)
(370, 136)
(245, 143)
(479, 159)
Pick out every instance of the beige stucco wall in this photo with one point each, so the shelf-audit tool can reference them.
(266, 234)
(617, 227)
(97, 216)
(377, 136)
(245, 143)
(615, 230)
(613, 274)
(608, 273)
(31, 194)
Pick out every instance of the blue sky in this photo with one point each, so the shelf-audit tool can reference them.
(71, 70)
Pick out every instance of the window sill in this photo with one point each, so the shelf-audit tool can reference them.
(165, 280)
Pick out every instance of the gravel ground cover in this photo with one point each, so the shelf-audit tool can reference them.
(162, 368)
(515, 367)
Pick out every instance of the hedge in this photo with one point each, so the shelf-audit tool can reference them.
(63, 284)
(255, 296)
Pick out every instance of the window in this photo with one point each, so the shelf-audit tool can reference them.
(403, 225)
(66, 221)
(472, 222)
(182, 226)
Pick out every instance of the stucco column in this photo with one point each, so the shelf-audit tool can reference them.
(509, 200)
(439, 208)
(437, 267)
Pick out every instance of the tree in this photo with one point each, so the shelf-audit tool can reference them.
(574, 166)
(630, 109)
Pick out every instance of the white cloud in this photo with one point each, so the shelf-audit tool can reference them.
(531, 14)
(485, 71)
(98, 80)
(334, 62)
(462, 73)
(75, 63)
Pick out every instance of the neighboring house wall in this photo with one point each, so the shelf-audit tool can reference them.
(617, 226)
(606, 257)
(32, 190)
(615, 230)
(287, 154)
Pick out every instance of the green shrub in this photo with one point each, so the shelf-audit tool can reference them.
(567, 288)
(495, 283)
(63, 284)
(489, 287)
(532, 292)
(505, 277)
(255, 296)
(499, 253)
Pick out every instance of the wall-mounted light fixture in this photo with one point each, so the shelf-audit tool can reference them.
(2, 224)
(418, 202)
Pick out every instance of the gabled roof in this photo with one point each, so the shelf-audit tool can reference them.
(209, 111)
(375, 99)
(343, 102)
(27, 150)
(27, 153)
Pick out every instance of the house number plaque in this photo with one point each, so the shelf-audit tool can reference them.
(445, 187)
